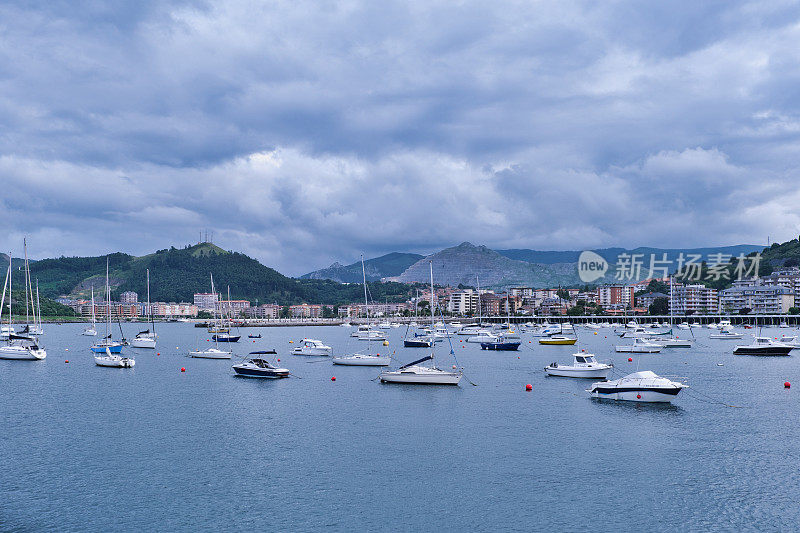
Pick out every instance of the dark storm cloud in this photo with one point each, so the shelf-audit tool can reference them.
(307, 132)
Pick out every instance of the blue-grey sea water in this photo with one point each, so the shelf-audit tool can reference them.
(151, 448)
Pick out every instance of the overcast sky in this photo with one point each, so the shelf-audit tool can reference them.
(302, 133)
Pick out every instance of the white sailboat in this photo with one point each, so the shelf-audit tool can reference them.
(213, 352)
(147, 338)
(419, 374)
(17, 346)
(90, 331)
(364, 359)
(107, 352)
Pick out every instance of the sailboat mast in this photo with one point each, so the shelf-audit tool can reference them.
(366, 303)
(433, 330)
(25, 280)
(38, 309)
(7, 283)
(108, 304)
(93, 319)
(150, 309)
(480, 311)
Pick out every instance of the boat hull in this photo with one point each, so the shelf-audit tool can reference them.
(227, 338)
(633, 394)
(18, 353)
(417, 344)
(145, 342)
(567, 372)
(500, 346)
(271, 373)
(567, 342)
(370, 360)
(200, 354)
(771, 351)
(114, 362)
(116, 349)
(311, 351)
(443, 378)
(636, 349)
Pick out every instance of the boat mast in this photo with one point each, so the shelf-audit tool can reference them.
(366, 303)
(433, 330)
(108, 305)
(25, 281)
(93, 319)
(38, 309)
(216, 324)
(480, 311)
(150, 309)
(3, 301)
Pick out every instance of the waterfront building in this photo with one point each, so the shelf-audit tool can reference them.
(263, 311)
(463, 302)
(695, 298)
(232, 307)
(305, 311)
(128, 297)
(615, 296)
(646, 300)
(760, 298)
(206, 301)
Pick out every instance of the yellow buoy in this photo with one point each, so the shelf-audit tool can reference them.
(386, 343)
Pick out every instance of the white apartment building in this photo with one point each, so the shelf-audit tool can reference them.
(693, 299)
(128, 297)
(463, 302)
(206, 301)
(758, 297)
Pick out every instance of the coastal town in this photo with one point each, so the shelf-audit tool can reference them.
(776, 293)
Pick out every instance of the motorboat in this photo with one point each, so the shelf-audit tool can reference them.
(371, 335)
(226, 337)
(684, 325)
(419, 342)
(254, 336)
(763, 346)
(558, 340)
(363, 328)
(144, 339)
(790, 340)
(783, 324)
(441, 332)
(90, 331)
(345, 325)
(639, 345)
(113, 360)
(455, 325)
(584, 365)
(642, 386)
(258, 367)
(502, 344)
(483, 335)
(361, 359)
(415, 373)
(385, 325)
(5, 331)
(311, 347)
(469, 330)
(211, 353)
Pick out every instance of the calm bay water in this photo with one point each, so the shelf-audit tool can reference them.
(151, 448)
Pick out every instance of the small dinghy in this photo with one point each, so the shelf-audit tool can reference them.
(584, 365)
(258, 367)
(254, 336)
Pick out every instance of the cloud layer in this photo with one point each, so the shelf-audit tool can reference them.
(306, 132)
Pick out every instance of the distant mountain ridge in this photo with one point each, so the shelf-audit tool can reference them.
(389, 265)
(611, 254)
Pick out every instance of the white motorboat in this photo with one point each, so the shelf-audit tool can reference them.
(345, 324)
(783, 324)
(643, 386)
(789, 340)
(584, 365)
(385, 325)
(469, 330)
(483, 336)
(684, 325)
(258, 367)
(764, 346)
(418, 374)
(639, 345)
(211, 353)
(361, 359)
(311, 347)
(455, 325)
(371, 335)
(113, 360)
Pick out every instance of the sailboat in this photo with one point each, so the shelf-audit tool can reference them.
(213, 352)
(90, 331)
(108, 351)
(17, 346)
(363, 359)
(147, 338)
(37, 328)
(417, 341)
(417, 373)
(223, 334)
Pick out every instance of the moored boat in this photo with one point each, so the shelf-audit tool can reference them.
(643, 386)
(258, 367)
(584, 365)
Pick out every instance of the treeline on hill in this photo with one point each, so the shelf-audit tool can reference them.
(48, 306)
(176, 274)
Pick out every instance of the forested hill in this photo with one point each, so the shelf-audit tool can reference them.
(176, 274)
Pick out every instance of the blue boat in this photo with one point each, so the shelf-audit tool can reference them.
(423, 342)
(500, 346)
(113, 347)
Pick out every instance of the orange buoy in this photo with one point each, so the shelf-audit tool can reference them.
(333, 378)
(183, 369)
(528, 387)
(66, 360)
(785, 384)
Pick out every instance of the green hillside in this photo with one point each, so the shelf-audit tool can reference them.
(176, 274)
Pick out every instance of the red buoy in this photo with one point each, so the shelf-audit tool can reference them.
(183, 369)
(66, 360)
(528, 387)
(159, 353)
(279, 360)
(786, 384)
(638, 396)
(333, 378)
(630, 359)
